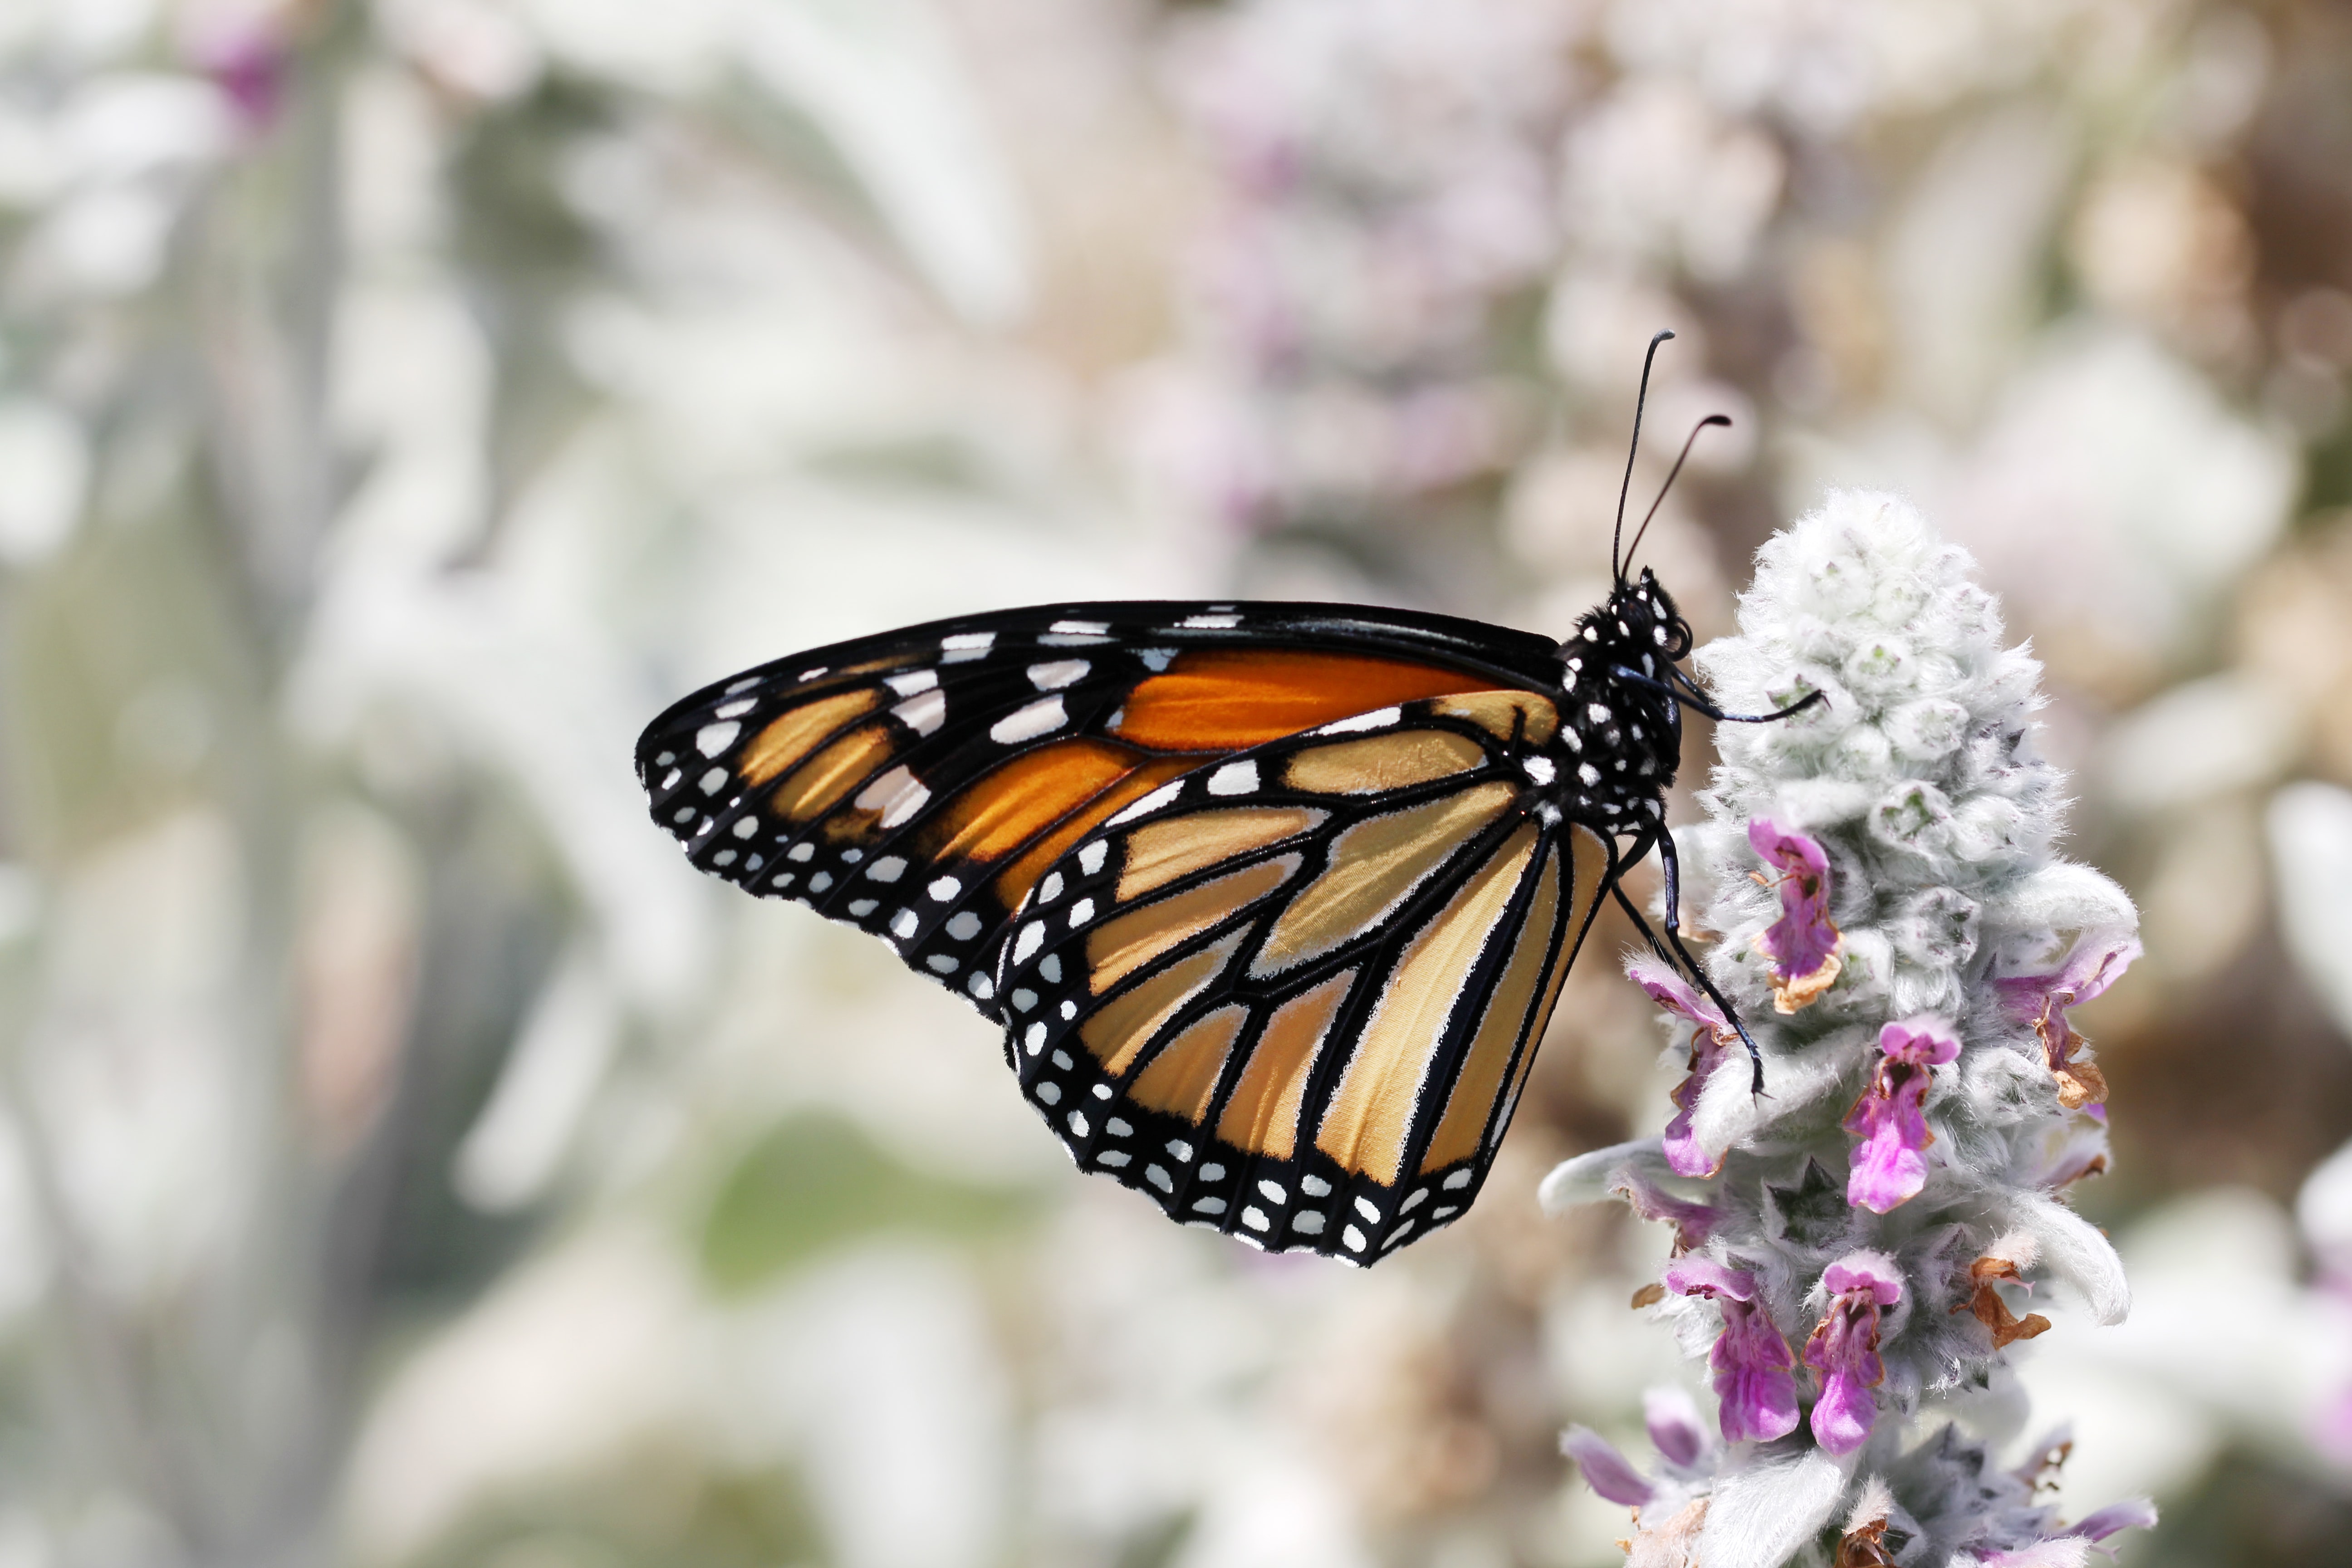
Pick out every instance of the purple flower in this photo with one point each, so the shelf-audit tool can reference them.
(1712, 1037)
(1802, 943)
(2098, 960)
(2062, 1550)
(1844, 1348)
(1606, 1470)
(1672, 1421)
(1693, 1222)
(1753, 1369)
(1890, 1165)
(2133, 1513)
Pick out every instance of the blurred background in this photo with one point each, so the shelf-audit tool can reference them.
(407, 1161)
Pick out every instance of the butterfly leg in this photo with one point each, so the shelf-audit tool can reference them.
(1698, 700)
(1680, 955)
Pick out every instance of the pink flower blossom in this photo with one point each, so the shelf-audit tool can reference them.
(1754, 1376)
(1712, 1037)
(1844, 1348)
(1606, 1470)
(1890, 1164)
(1802, 943)
(2098, 960)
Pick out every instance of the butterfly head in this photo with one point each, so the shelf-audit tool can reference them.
(1637, 625)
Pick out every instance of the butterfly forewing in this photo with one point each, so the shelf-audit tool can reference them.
(1293, 995)
(918, 784)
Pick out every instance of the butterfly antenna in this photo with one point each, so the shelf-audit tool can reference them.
(1635, 547)
(1615, 570)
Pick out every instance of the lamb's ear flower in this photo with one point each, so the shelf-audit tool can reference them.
(2132, 1514)
(1711, 1036)
(1754, 1376)
(1606, 1470)
(1844, 1348)
(1985, 1301)
(2098, 960)
(1693, 1223)
(1674, 1431)
(1802, 943)
(1890, 1164)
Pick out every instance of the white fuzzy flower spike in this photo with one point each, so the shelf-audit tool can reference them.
(1904, 946)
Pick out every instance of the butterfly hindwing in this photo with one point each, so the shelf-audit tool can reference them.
(1293, 995)
(917, 784)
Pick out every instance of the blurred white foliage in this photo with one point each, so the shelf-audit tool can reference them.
(44, 477)
(2311, 861)
(2223, 1346)
(2199, 740)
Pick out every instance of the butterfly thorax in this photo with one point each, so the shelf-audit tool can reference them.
(1620, 739)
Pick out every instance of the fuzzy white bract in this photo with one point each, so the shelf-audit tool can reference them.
(1861, 1253)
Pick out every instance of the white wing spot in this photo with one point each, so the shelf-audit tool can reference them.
(1027, 942)
(1080, 628)
(1114, 1158)
(669, 780)
(905, 925)
(913, 681)
(1209, 623)
(1315, 1186)
(685, 815)
(1540, 769)
(1448, 1212)
(1597, 712)
(1253, 1217)
(1042, 717)
(1101, 1092)
(1156, 660)
(1149, 804)
(1209, 1205)
(1457, 1181)
(724, 857)
(821, 881)
(812, 674)
(1353, 1237)
(713, 739)
(746, 826)
(735, 710)
(1069, 1010)
(1023, 999)
(965, 647)
(1118, 1127)
(1050, 1092)
(924, 713)
(665, 759)
(979, 984)
(1081, 912)
(1055, 676)
(1159, 1178)
(1034, 1037)
(861, 908)
(964, 927)
(1364, 1206)
(1212, 1173)
(711, 781)
(1050, 889)
(1078, 1123)
(1308, 1223)
(1377, 719)
(942, 963)
(886, 869)
(1589, 774)
(1233, 778)
(1062, 1059)
(896, 794)
(783, 879)
(1182, 1150)
(745, 684)
(943, 889)
(1090, 859)
(1414, 1201)
(803, 852)
(1275, 1191)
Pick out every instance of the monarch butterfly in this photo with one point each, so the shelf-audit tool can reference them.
(1272, 901)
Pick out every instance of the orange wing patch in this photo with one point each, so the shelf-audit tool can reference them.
(1226, 699)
